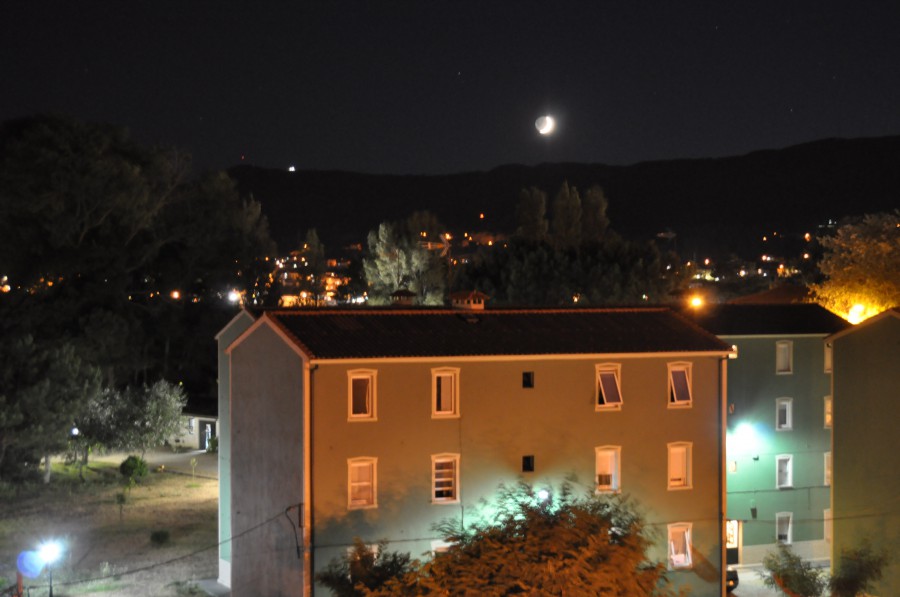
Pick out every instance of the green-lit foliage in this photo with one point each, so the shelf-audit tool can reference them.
(562, 544)
(786, 572)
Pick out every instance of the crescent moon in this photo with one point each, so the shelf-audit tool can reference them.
(545, 125)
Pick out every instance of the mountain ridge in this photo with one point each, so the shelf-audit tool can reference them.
(712, 204)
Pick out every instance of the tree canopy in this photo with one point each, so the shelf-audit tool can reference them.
(861, 266)
(522, 542)
(575, 259)
(401, 256)
(117, 255)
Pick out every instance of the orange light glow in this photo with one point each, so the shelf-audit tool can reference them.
(696, 301)
(175, 295)
(480, 216)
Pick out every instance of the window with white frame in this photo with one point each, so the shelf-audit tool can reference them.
(828, 415)
(679, 469)
(783, 527)
(679, 538)
(445, 392)
(440, 546)
(362, 487)
(828, 358)
(784, 357)
(608, 466)
(361, 395)
(679, 385)
(445, 478)
(827, 464)
(784, 414)
(828, 524)
(609, 391)
(784, 471)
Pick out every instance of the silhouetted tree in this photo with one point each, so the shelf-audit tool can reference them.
(531, 215)
(566, 224)
(44, 387)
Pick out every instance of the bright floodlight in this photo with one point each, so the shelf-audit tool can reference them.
(50, 551)
(234, 296)
(545, 124)
(543, 494)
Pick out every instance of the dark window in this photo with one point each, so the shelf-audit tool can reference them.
(527, 464)
(528, 379)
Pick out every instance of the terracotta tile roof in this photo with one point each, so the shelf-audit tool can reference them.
(755, 319)
(370, 333)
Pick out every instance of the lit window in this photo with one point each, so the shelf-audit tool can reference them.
(609, 393)
(784, 414)
(783, 527)
(828, 358)
(361, 483)
(608, 468)
(679, 536)
(828, 412)
(784, 357)
(361, 394)
(445, 392)
(679, 385)
(784, 471)
(827, 479)
(732, 529)
(680, 465)
(829, 525)
(445, 478)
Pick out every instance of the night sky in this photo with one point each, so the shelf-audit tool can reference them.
(430, 87)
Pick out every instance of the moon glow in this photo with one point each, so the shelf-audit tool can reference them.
(545, 125)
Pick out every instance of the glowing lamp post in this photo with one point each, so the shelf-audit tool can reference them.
(49, 552)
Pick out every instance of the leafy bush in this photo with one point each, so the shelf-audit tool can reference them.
(786, 572)
(159, 538)
(133, 467)
(366, 566)
(213, 445)
(857, 569)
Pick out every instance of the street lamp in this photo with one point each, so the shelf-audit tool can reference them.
(49, 552)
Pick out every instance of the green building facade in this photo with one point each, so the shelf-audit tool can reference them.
(778, 450)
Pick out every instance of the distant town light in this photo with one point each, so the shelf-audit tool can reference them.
(175, 295)
(696, 301)
(481, 216)
(291, 169)
(234, 296)
(807, 237)
(706, 261)
(806, 255)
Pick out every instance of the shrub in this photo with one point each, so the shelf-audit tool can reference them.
(857, 569)
(133, 467)
(159, 538)
(213, 445)
(785, 571)
(363, 566)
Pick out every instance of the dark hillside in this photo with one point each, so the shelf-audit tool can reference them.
(719, 205)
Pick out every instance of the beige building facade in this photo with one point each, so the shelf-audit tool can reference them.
(378, 424)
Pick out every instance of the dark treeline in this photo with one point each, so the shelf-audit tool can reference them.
(572, 257)
(115, 260)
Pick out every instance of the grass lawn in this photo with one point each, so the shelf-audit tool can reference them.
(153, 541)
